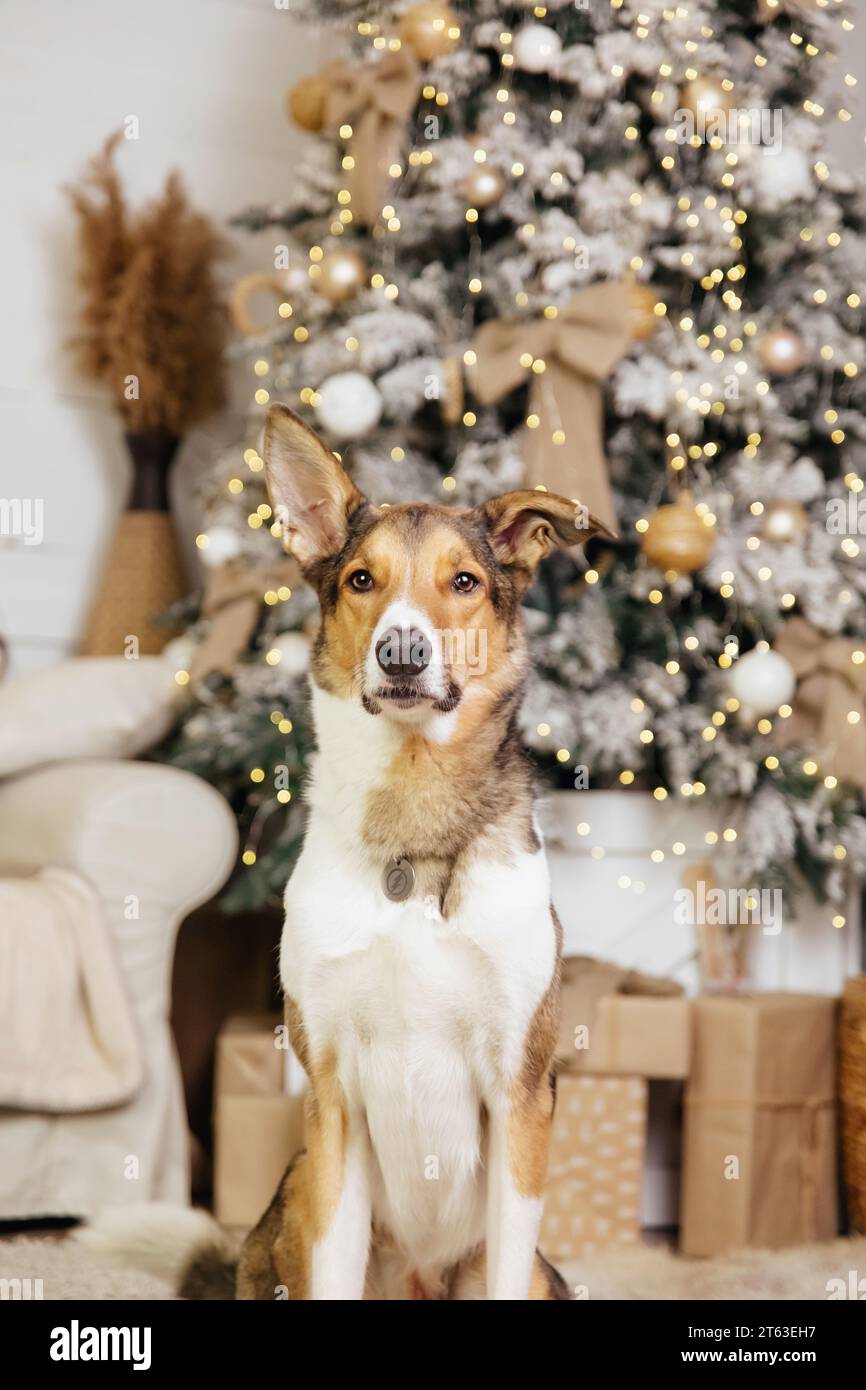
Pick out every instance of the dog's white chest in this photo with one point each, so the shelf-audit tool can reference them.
(415, 1059)
(427, 1019)
(359, 963)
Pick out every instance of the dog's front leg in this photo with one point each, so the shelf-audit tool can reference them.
(339, 1157)
(519, 1139)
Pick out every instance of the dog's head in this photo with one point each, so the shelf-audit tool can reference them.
(420, 604)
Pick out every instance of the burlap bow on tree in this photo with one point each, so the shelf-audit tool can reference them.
(830, 686)
(376, 99)
(232, 601)
(565, 358)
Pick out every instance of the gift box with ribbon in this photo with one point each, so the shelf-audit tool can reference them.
(618, 1028)
(759, 1152)
(618, 1022)
(258, 1125)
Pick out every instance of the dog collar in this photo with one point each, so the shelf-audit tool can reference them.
(398, 879)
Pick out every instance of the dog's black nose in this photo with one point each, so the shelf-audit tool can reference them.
(403, 651)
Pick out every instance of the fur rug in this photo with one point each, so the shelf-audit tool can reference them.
(645, 1273)
(69, 1271)
(655, 1272)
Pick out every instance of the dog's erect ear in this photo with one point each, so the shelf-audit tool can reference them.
(523, 527)
(312, 496)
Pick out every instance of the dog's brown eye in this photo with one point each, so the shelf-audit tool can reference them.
(464, 583)
(360, 581)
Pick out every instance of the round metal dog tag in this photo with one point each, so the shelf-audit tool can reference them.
(398, 880)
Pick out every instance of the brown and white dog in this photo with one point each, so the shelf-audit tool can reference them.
(420, 953)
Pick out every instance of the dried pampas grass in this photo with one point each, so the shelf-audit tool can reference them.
(153, 323)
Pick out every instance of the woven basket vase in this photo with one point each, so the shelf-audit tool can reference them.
(142, 574)
(852, 1075)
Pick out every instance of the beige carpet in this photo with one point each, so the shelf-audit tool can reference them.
(67, 1271)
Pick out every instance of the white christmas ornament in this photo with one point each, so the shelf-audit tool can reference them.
(535, 47)
(222, 544)
(350, 406)
(761, 681)
(780, 174)
(293, 280)
(294, 650)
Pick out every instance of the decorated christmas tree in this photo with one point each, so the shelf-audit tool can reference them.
(599, 248)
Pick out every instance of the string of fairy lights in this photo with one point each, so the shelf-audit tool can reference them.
(719, 329)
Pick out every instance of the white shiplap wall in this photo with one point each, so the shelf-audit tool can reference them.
(206, 79)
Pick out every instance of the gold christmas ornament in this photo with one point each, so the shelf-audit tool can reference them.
(484, 186)
(781, 351)
(784, 521)
(677, 538)
(260, 282)
(430, 30)
(339, 275)
(305, 102)
(704, 95)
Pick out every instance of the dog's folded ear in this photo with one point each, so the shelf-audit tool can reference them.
(523, 527)
(311, 494)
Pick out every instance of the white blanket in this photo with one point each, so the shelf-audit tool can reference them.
(67, 1040)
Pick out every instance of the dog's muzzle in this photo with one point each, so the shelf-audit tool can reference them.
(404, 671)
(403, 652)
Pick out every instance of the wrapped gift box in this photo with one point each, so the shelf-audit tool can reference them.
(592, 1199)
(249, 1055)
(258, 1126)
(759, 1147)
(618, 1022)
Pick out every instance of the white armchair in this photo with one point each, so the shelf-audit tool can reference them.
(154, 843)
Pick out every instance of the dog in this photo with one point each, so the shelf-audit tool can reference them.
(420, 955)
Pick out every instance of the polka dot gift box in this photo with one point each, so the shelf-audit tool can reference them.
(592, 1199)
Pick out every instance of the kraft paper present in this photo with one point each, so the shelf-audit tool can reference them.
(255, 1137)
(257, 1127)
(759, 1147)
(248, 1060)
(592, 1198)
(621, 1022)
